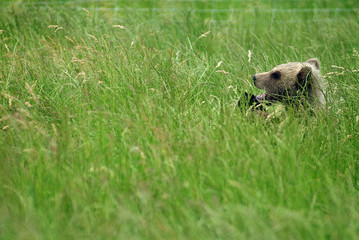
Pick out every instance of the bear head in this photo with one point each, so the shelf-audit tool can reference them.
(287, 81)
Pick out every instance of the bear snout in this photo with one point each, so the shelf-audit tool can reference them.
(254, 78)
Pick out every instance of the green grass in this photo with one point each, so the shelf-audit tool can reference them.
(110, 133)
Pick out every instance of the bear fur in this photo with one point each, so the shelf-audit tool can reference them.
(293, 82)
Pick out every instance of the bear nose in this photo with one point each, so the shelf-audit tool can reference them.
(254, 77)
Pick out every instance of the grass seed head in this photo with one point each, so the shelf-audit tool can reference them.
(355, 53)
(57, 27)
(54, 129)
(249, 55)
(204, 34)
(222, 71)
(93, 37)
(118, 26)
(87, 11)
(337, 67)
(76, 60)
(69, 39)
(7, 48)
(31, 90)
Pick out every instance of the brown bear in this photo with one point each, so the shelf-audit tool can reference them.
(295, 82)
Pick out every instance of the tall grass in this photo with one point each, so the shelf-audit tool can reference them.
(125, 125)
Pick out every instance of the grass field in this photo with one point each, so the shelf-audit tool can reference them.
(124, 124)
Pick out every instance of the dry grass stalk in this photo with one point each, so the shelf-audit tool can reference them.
(76, 60)
(7, 48)
(53, 42)
(57, 27)
(222, 71)
(204, 34)
(249, 55)
(72, 41)
(31, 91)
(183, 62)
(54, 129)
(355, 53)
(83, 41)
(8, 97)
(93, 37)
(47, 43)
(333, 66)
(3, 119)
(87, 11)
(118, 26)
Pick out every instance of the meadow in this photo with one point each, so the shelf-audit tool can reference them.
(119, 120)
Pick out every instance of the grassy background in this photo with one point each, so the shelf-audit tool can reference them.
(110, 133)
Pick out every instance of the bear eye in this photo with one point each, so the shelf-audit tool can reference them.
(276, 75)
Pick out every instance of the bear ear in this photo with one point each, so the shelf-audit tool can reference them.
(303, 75)
(314, 62)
